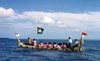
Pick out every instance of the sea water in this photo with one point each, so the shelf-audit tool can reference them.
(9, 51)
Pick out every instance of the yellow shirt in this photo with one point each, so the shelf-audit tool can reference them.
(29, 41)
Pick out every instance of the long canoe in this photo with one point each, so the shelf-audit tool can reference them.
(79, 48)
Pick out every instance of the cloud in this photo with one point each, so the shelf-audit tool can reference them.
(6, 12)
(48, 20)
(55, 19)
(61, 24)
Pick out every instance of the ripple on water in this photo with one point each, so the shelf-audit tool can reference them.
(9, 51)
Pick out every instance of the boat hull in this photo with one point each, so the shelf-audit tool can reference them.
(79, 48)
(33, 47)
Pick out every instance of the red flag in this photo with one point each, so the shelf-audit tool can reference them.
(84, 34)
(17, 34)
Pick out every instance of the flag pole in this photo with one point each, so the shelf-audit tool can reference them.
(37, 33)
(80, 44)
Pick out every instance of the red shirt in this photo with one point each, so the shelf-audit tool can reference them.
(61, 46)
(39, 45)
(44, 45)
(55, 45)
(64, 46)
(49, 45)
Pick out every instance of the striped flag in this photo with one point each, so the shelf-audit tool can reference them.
(84, 34)
(17, 35)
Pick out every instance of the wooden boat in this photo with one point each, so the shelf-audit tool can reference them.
(79, 48)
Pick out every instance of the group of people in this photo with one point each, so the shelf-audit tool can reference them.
(30, 42)
(53, 45)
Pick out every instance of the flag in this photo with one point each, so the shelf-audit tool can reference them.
(84, 34)
(40, 30)
(17, 35)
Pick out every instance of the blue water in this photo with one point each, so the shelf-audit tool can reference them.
(9, 51)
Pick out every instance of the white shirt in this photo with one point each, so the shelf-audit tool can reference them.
(58, 46)
(70, 41)
(76, 42)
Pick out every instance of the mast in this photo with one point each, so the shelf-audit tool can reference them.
(80, 44)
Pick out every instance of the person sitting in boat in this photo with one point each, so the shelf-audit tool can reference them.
(25, 42)
(34, 43)
(69, 42)
(64, 46)
(45, 45)
(29, 41)
(76, 43)
(41, 45)
(54, 45)
(59, 46)
(49, 45)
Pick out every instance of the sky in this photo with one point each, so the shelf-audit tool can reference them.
(59, 18)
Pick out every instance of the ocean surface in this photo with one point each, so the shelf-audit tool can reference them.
(9, 51)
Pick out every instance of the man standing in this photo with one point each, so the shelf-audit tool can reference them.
(69, 42)
(34, 41)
